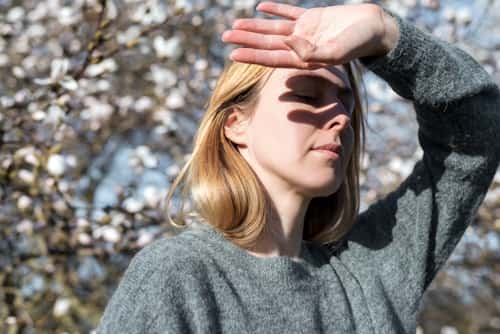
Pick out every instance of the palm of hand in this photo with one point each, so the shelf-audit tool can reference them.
(311, 38)
(319, 25)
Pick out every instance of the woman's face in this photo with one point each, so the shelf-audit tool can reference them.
(297, 111)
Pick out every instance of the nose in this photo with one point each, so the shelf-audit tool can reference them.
(337, 118)
(340, 121)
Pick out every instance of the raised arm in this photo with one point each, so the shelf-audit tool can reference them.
(400, 242)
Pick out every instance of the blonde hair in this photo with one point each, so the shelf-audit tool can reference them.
(226, 192)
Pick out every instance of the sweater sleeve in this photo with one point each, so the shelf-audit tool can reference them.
(149, 297)
(400, 242)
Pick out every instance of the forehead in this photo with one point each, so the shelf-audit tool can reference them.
(337, 74)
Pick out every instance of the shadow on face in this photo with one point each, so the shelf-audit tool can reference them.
(317, 90)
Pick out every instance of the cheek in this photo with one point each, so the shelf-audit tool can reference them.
(280, 138)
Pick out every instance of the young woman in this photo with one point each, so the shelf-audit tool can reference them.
(279, 246)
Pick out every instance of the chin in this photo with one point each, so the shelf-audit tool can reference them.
(323, 190)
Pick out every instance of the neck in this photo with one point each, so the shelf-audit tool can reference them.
(282, 235)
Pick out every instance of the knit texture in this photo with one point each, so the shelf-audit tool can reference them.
(199, 282)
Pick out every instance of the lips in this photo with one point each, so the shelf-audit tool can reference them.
(330, 147)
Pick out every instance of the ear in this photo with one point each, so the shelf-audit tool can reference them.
(235, 127)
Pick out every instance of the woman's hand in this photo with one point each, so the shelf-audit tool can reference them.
(315, 37)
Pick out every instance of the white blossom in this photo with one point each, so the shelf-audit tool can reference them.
(175, 100)
(58, 71)
(108, 233)
(56, 165)
(26, 176)
(170, 48)
(84, 239)
(15, 14)
(132, 205)
(152, 196)
(23, 202)
(61, 307)
(107, 65)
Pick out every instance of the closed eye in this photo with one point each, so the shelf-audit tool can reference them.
(306, 98)
(314, 99)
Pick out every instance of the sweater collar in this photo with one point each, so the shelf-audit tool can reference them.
(279, 269)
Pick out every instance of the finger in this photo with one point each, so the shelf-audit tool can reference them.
(278, 58)
(254, 40)
(265, 26)
(280, 9)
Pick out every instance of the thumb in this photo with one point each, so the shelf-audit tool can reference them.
(302, 47)
(309, 52)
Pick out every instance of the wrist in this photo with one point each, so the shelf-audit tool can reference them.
(391, 32)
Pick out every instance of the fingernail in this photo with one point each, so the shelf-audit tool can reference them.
(224, 35)
(232, 54)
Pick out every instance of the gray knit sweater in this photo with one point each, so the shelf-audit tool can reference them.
(198, 282)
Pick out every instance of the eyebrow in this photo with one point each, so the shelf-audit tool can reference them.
(309, 76)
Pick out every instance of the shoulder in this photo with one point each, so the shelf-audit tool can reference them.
(154, 284)
(162, 266)
(167, 255)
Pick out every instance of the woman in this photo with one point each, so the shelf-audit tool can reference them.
(272, 204)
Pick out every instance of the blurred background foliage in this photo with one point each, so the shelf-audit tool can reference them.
(99, 102)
